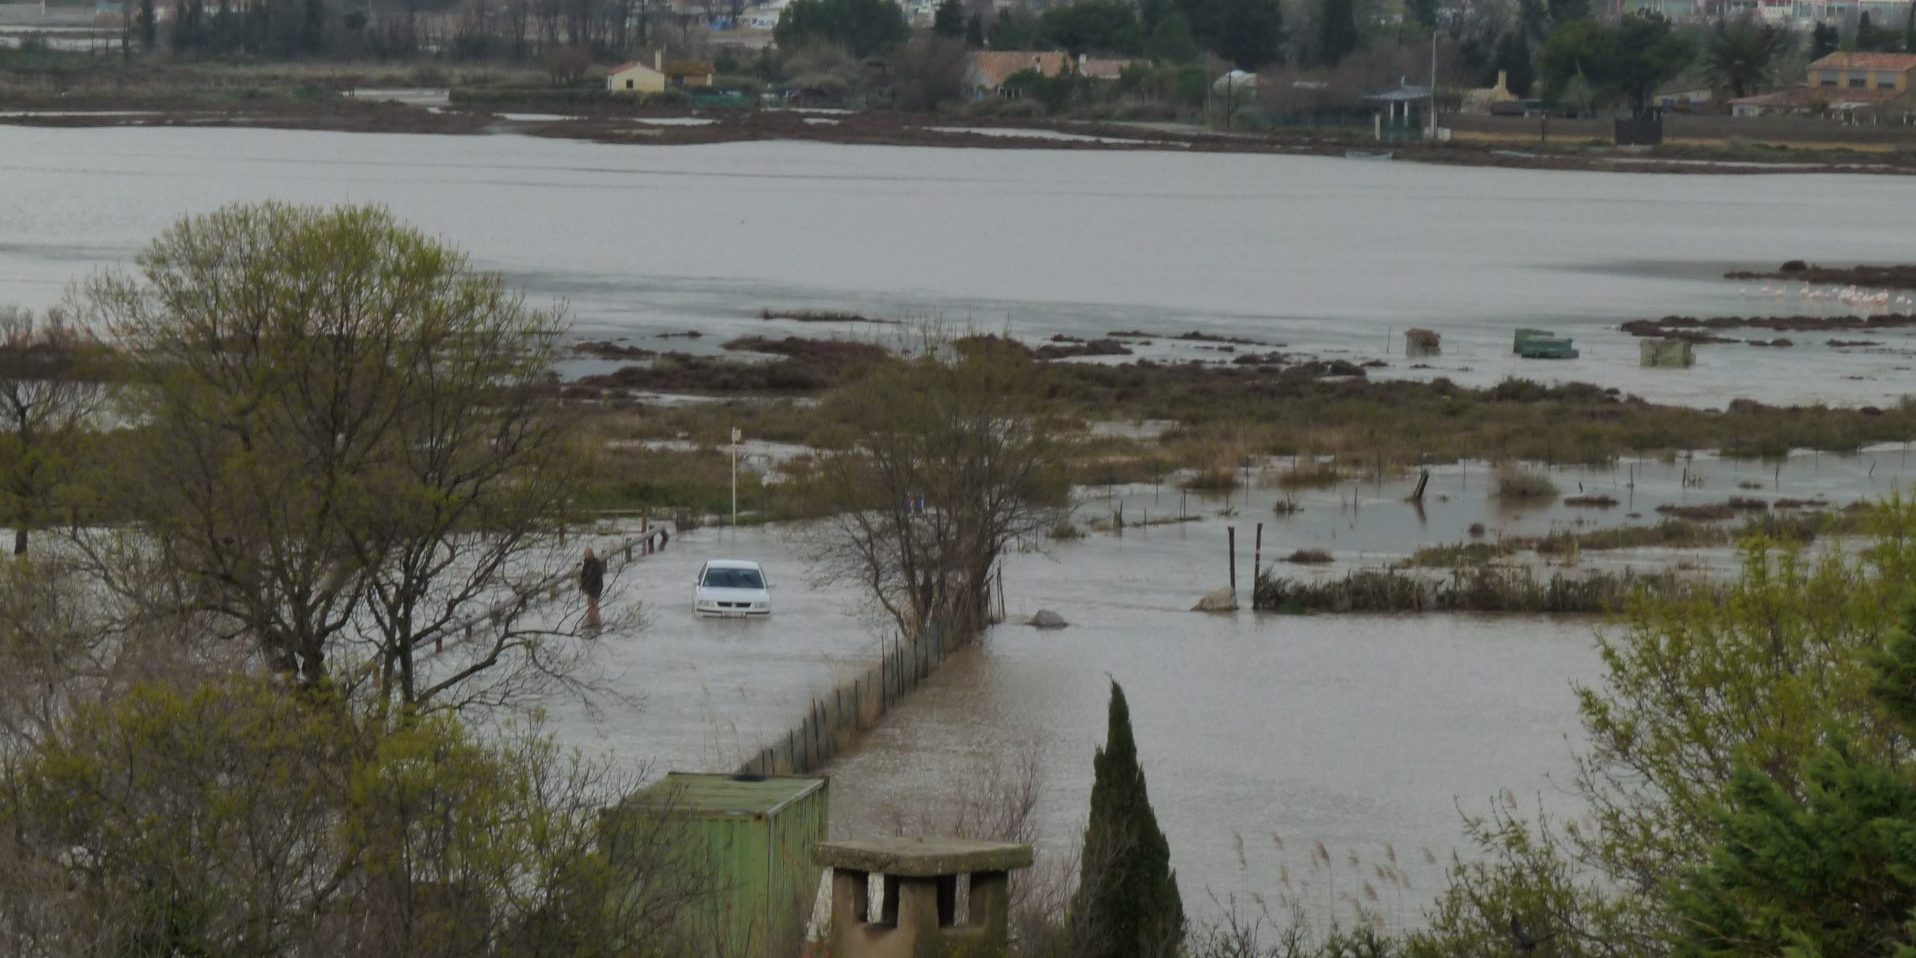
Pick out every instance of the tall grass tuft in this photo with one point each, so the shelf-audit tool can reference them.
(1515, 482)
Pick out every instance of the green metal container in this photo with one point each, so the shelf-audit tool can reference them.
(1525, 335)
(750, 838)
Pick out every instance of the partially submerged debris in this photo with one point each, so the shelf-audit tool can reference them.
(1222, 600)
(1047, 619)
(822, 316)
(608, 349)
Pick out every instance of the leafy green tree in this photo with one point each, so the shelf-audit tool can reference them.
(1533, 21)
(1568, 11)
(1823, 41)
(1172, 42)
(1909, 29)
(1823, 861)
(1422, 13)
(1127, 904)
(865, 27)
(1092, 26)
(1741, 57)
(1622, 62)
(346, 449)
(1252, 34)
(236, 819)
(1696, 687)
(1015, 29)
(928, 71)
(975, 31)
(949, 19)
(1336, 31)
(1648, 54)
(1871, 38)
(49, 389)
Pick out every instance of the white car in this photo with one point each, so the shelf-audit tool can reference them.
(731, 589)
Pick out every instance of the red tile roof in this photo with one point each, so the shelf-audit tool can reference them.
(991, 68)
(1894, 62)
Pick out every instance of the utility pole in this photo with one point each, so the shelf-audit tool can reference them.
(735, 439)
(1433, 80)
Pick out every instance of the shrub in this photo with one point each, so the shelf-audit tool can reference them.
(1516, 482)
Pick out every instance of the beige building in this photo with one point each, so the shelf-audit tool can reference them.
(1848, 72)
(636, 77)
(1486, 99)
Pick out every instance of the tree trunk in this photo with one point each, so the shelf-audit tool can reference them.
(20, 538)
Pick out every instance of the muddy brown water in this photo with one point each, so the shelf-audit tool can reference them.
(1364, 733)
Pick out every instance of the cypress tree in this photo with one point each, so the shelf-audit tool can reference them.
(1336, 31)
(948, 20)
(1127, 903)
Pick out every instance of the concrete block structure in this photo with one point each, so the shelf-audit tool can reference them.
(919, 913)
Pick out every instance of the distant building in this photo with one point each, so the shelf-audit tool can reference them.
(988, 70)
(1864, 88)
(637, 77)
(1684, 98)
(1847, 73)
(1485, 100)
(659, 76)
(690, 74)
(1095, 68)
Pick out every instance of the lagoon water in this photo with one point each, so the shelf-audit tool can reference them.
(1324, 255)
(1364, 733)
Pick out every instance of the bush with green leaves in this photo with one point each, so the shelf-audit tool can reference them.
(242, 818)
(1695, 688)
(1820, 859)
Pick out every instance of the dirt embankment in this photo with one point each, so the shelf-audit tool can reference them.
(312, 107)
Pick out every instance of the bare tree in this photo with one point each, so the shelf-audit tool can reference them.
(930, 71)
(48, 394)
(344, 449)
(947, 465)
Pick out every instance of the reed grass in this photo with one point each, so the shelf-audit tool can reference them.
(1517, 483)
(1479, 589)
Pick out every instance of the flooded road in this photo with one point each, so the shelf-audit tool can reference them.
(1326, 256)
(1364, 733)
(705, 694)
(1260, 737)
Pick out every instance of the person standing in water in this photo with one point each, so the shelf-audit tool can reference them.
(592, 583)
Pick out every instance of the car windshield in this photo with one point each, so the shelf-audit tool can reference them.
(733, 579)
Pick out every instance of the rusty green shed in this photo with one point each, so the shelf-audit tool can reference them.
(751, 837)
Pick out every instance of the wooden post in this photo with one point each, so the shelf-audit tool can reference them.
(1423, 479)
(1230, 533)
(1257, 556)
